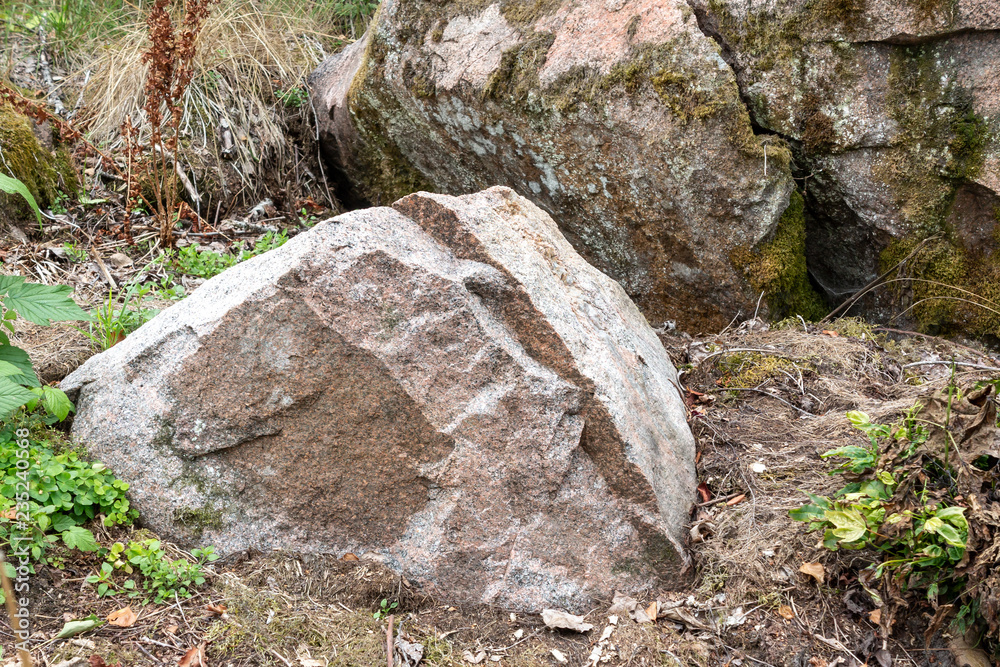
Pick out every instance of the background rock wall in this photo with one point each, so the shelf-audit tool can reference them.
(666, 137)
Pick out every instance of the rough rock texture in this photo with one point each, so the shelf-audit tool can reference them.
(892, 109)
(445, 382)
(619, 118)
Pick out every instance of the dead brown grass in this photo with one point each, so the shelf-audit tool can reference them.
(246, 53)
(795, 414)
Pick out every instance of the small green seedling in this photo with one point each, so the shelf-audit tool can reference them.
(384, 609)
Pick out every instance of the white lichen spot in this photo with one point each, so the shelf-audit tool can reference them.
(535, 186)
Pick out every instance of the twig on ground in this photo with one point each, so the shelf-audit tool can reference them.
(765, 393)
(388, 640)
(721, 500)
(952, 363)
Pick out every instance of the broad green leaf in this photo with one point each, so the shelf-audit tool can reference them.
(852, 534)
(80, 538)
(56, 402)
(819, 500)
(849, 525)
(933, 524)
(955, 516)
(807, 513)
(76, 627)
(44, 304)
(8, 283)
(61, 522)
(18, 357)
(12, 396)
(13, 186)
(950, 535)
(858, 418)
(7, 369)
(830, 541)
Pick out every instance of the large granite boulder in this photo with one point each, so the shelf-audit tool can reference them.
(893, 110)
(444, 382)
(618, 117)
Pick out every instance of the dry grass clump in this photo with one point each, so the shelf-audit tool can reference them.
(264, 624)
(251, 62)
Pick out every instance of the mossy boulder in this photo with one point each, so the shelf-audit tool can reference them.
(45, 172)
(621, 119)
(891, 109)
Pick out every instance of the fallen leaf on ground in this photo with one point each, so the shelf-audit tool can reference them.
(76, 627)
(9, 514)
(123, 618)
(703, 491)
(875, 616)
(832, 334)
(786, 612)
(814, 570)
(652, 609)
(408, 654)
(195, 657)
(349, 556)
(474, 659)
(170, 629)
(217, 609)
(562, 620)
(735, 501)
(559, 656)
(681, 615)
(98, 661)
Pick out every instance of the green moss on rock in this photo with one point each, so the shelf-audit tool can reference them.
(197, 519)
(946, 289)
(44, 173)
(777, 267)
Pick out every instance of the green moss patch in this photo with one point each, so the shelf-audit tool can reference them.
(197, 519)
(44, 173)
(777, 267)
(945, 288)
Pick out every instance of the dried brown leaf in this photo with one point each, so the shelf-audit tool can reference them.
(123, 618)
(814, 570)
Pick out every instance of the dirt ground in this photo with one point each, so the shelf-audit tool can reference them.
(764, 403)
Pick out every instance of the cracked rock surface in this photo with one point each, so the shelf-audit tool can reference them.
(620, 118)
(663, 135)
(893, 109)
(445, 383)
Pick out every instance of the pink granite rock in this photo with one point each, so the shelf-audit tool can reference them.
(618, 117)
(445, 382)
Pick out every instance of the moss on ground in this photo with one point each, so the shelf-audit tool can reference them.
(44, 172)
(750, 369)
(777, 267)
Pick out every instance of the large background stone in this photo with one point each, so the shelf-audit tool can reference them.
(892, 110)
(642, 126)
(446, 383)
(621, 119)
